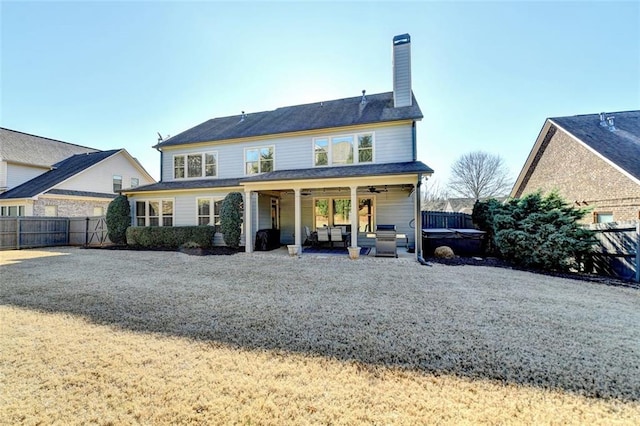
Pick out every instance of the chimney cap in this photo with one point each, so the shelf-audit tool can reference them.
(401, 39)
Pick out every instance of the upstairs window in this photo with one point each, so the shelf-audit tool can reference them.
(117, 183)
(321, 151)
(196, 165)
(178, 167)
(343, 150)
(135, 182)
(258, 160)
(365, 148)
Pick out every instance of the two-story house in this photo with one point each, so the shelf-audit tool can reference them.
(24, 156)
(45, 177)
(347, 162)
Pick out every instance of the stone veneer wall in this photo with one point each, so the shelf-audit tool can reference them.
(580, 175)
(70, 208)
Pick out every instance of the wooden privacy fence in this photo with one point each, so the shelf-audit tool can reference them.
(29, 232)
(435, 219)
(618, 250)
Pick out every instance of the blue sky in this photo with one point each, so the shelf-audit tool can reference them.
(485, 74)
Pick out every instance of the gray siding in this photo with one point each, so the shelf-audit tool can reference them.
(397, 208)
(402, 75)
(394, 207)
(18, 174)
(392, 144)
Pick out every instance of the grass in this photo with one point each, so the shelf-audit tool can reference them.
(267, 339)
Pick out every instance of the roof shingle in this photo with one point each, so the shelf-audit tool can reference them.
(23, 148)
(319, 115)
(314, 173)
(62, 171)
(621, 146)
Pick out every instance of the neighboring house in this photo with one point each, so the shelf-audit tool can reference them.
(460, 205)
(347, 162)
(593, 161)
(24, 156)
(455, 205)
(80, 185)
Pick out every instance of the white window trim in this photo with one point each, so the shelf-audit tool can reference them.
(146, 213)
(356, 150)
(113, 181)
(213, 200)
(186, 165)
(251, 148)
(20, 208)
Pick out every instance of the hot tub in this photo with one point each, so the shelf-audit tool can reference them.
(463, 242)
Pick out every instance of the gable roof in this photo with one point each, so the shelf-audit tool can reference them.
(621, 146)
(61, 171)
(320, 115)
(23, 148)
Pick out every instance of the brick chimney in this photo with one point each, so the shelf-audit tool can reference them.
(402, 71)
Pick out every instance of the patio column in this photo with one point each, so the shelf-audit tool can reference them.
(248, 232)
(298, 218)
(418, 218)
(354, 216)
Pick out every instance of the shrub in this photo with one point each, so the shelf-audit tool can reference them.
(170, 237)
(536, 231)
(231, 219)
(482, 217)
(118, 219)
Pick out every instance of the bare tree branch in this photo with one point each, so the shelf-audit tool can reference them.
(432, 192)
(480, 175)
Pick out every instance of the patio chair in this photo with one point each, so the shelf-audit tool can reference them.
(311, 237)
(323, 235)
(337, 237)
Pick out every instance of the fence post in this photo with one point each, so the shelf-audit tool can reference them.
(86, 231)
(18, 233)
(638, 252)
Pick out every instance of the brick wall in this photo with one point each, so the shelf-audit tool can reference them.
(69, 208)
(580, 175)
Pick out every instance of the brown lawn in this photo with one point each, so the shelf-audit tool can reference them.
(118, 337)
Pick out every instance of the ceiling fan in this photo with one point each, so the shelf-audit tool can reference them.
(373, 189)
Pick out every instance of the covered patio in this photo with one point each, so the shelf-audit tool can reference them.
(295, 201)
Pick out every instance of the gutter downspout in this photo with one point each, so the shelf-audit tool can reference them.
(414, 140)
(161, 162)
